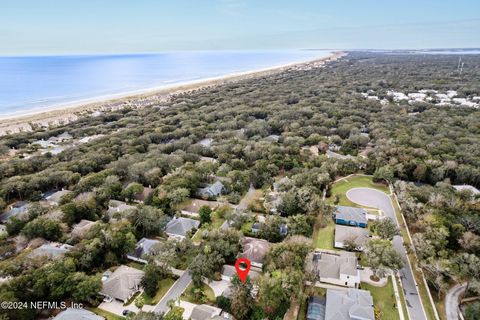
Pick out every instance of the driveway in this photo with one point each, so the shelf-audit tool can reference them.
(174, 292)
(451, 301)
(219, 287)
(377, 199)
(247, 199)
(117, 307)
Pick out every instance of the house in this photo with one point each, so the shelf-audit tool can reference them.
(351, 216)
(207, 142)
(316, 308)
(193, 209)
(140, 197)
(122, 284)
(52, 250)
(213, 190)
(143, 248)
(229, 271)
(351, 304)
(178, 227)
(331, 154)
(347, 236)
(19, 209)
(466, 187)
(334, 268)
(77, 314)
(283, 229)
(255, 250)
(81, 228)
(53, 198)
(256, 227)
(116, 208)
(64, 136)
(206, 312)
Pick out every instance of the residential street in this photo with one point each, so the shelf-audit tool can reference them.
(175, 291)
(451, 301)
(377, 199)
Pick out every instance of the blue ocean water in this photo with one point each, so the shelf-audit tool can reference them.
(33, 83)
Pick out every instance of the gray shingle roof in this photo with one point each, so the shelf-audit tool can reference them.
(349, 304)
(214, 189)
(351, 214)
(230, 271)
(344, 233)
(143, 247)
(51, 250)
(77, 314)
(204, 312)
(180, 226)
(329, 265)
(255, 249)
(122, 283)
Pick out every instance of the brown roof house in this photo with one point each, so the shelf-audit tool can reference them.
(122, 284)
(255, 250)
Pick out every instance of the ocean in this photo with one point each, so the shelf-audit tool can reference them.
(31, 83)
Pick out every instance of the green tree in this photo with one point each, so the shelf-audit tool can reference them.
(205, 214)
(149, 221)
(385, 228)
(151, 279)
(382, 257)
(241, 301)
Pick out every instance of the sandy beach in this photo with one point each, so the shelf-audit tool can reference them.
(61, 114)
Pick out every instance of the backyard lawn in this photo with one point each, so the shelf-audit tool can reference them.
(191, 295)
(214, 225)
(164, 285)
(340, 188)
(384, 300)
(323, 238)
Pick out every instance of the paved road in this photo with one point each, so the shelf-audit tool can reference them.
(174, 292)
(380, 200)
(451, 301)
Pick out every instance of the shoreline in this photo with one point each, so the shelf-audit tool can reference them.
(67, 112)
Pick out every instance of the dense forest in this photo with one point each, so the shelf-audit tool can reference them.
(257, 130)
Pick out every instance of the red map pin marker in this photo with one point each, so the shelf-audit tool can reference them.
(243, 267)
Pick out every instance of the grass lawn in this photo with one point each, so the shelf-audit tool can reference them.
(189, 296)
(324, 237)
(340, 188)
(164, 285)
(402, 297)
(175, 311)
(214, 225)
(384, 300)
(107, 315)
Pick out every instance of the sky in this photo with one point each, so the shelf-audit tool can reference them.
(43, 27)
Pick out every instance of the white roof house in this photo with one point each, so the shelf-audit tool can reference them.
(467, 187)
(123, 283)
(178, 227)
(334, 268)
(52, 250)
(54, 198)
